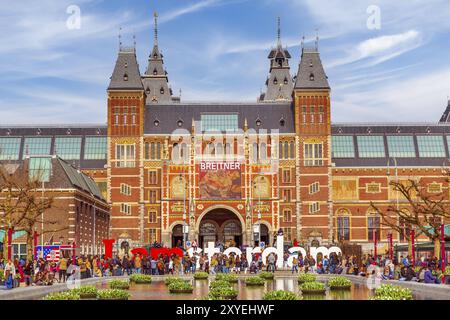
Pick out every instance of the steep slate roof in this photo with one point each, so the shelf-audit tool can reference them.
(311, 74)
(80, 180)
(446, 116)
(126, 75)
(270, 115)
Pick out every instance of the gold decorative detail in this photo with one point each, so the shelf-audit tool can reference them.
(373, 187)
(434, 187)
(200, 207)
(345, 190)
(240, 206)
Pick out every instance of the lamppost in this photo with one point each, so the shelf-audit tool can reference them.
(258, 224)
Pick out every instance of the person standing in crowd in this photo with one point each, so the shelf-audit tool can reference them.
(62, 264)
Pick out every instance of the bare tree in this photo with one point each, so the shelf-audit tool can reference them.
(426, 211)
(22, 204)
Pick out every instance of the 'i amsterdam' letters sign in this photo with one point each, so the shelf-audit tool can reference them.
(220, 180)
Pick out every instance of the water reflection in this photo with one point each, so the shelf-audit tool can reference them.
(159, 291)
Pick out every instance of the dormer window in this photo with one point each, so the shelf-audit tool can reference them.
(126, 65)
(258, 122)
(282, 122)
(155, 72)
(285, 81)
(155, 56)
(275, 81)
(156, 123)
(125, 77)
(311, 77)
(147, 91)
(161, 90)
(180, 123)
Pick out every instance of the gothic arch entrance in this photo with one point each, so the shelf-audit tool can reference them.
(221, 226)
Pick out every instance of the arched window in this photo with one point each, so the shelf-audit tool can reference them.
(373, 225)
(255, 152)
(263, 151)
(286, 150)
(176, 152)
(343, 225)
(228, 150)
(152, 151)
(280, 150)
(183, 152)
(292, 150)
(219, 149)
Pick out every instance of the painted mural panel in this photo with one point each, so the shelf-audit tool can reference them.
(220, 180)
(345, 189)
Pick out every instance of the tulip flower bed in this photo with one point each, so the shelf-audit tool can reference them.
(119, 284)
(281, 295)
(391, 292)
(266, 275)
(180, 287)
(140, 278)
(86, 292)
(227, 277)
(113, 294)
(313, 288)
(66, 295)
(255, 281)
(170, 280)
(201, 276)
(306, 277)
(339, 283)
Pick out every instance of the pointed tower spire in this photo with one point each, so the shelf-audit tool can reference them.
(155, 16)
(279, 33)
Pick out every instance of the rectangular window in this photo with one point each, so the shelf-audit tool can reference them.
(37, 146)
(286, 175)
(313, 154)
(314, 188)
(287, 234)
(431, 146)
(342, 147)
(314, 207)
(125, 156)
(406, 228)
(343, 228)
(219, 122)
(287, 195)
(125, 208)
(401, 146)
(287, 216)
(152, 177)
(10, 148)
(68, 148)
(95, 148)
(371, 146)
(39, 169)
(373, 228)
(152, 235)
(125, 189)
(152, 195)
(152, 216)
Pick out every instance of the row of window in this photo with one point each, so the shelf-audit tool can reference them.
(397, 146)
(68, 148)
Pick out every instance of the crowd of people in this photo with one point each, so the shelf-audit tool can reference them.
(43, 272)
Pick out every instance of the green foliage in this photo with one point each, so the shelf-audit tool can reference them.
(219, 283)
(220, 293)
(2, 275)
(281, 295)
(312, 286)
(227, 277)
(306, 277)
(66, 295)
(200, 275)
(170, 280)
(180, 285)
(339, 282)
(86, 291)
(119, 284)
(140, 278)
(391, 292)
(113, 294)
(266, 275)
(255, 281)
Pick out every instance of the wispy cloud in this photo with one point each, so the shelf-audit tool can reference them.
(382, 48)
(176, 13)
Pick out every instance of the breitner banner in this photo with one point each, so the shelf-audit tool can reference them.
(220, 180)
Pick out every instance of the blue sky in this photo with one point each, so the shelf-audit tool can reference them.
(216, 50)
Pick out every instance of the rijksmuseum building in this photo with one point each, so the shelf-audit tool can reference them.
(224, 171)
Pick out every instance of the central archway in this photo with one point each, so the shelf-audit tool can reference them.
(221, 225)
